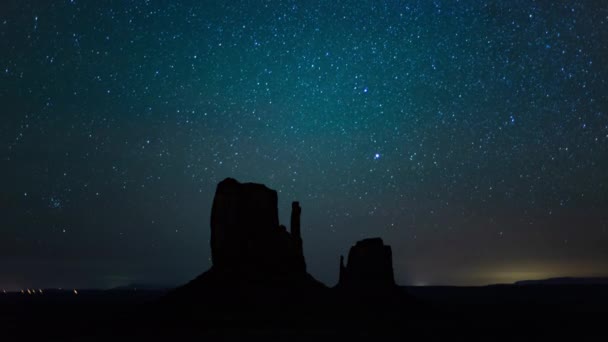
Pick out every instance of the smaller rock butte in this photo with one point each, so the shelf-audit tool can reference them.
(370, 265)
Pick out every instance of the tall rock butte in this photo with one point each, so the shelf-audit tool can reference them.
(245, 232)
(370, 266)
(250, 250)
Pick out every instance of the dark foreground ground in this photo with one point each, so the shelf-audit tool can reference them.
(533, 312)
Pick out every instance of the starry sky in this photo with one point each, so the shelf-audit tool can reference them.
(472, 136)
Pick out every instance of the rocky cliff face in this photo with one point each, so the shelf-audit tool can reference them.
(253, 256)
(370, 265)
(246, 235)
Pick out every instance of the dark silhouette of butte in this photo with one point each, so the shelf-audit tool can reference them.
(252, 254)
(370, 266)
(246, 236)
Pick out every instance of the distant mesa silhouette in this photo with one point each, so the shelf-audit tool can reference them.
(566, 281)
(369, 267)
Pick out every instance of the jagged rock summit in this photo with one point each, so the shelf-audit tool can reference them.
(245, 232)
(250, 250)
(370, 266)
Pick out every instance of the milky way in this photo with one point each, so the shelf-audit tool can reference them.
(471, 136)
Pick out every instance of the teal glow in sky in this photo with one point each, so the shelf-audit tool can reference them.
(471, 136)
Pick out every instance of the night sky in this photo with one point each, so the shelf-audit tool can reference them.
(471, 136)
